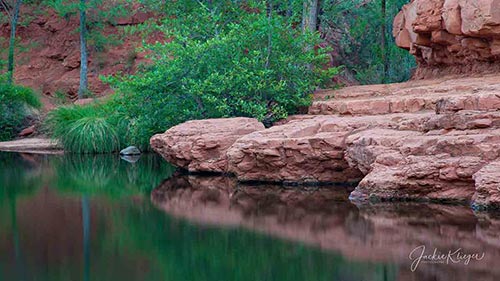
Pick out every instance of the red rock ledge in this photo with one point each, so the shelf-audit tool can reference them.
(421, 140)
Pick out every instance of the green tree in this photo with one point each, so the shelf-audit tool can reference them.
(360, 33)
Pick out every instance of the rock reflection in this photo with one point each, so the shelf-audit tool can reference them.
(324, 217)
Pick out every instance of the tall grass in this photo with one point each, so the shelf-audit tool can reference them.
(16, 105)
(84, 129)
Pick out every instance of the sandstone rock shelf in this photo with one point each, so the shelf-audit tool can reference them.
(444, 145)
(32, 145)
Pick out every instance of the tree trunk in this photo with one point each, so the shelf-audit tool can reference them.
(12, 42)
(83, 51)
(310, 15)
(383, 43)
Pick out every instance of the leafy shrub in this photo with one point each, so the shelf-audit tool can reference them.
(257, 65)
(221, 61)
(16, 104)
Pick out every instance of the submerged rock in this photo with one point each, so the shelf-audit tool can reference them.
(131, 150)
(130, 158)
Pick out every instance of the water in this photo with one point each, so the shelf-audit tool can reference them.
(102, 218)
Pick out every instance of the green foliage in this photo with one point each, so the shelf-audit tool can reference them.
(83, 129)
(230, 63)
(16, 104)
(224, 60)
(354, 27)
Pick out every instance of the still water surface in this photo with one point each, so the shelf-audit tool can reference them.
(103, 218)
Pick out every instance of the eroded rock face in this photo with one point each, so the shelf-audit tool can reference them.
(450, 36)
(448, 164)
(487, 181)
(306, 149)
(201, 145)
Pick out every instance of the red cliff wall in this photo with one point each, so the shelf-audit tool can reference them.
(451, 36)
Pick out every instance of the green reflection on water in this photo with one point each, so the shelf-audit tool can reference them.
(90, 218)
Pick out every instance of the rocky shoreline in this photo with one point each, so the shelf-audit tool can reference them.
(431, 140)
(32, 145)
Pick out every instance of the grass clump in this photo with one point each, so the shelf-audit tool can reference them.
(84, 129)
(91, 135)
(16, 106)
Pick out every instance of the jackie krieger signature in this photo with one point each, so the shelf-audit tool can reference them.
(419, 255)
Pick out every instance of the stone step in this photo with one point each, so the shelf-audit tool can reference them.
(480, 93)
(440, 103)
(413, 88)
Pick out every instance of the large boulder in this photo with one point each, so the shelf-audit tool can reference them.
(201, 145)
(450, 36)
(422, 140)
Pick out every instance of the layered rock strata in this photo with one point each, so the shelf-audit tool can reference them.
(450, 36)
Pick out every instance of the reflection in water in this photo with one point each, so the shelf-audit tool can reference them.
(382, 233)
(91, 218)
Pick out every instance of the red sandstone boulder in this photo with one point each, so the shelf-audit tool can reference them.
(27, 131)
(201, 145)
